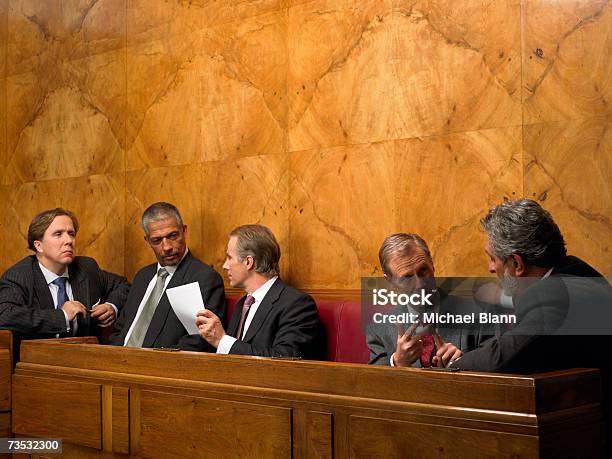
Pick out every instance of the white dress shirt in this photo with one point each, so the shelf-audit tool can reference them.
(171, 270)
(226, 343)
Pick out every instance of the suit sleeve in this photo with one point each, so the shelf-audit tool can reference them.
(379, 354)
(298, 333)
(528, 346)
(18, 316)
(115, 288)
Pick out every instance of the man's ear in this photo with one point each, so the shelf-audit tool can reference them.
(249, 262)
(518, 265)
(38, 246)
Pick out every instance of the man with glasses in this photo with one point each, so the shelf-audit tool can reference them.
(147, 320)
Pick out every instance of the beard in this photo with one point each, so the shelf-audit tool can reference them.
(509, 283)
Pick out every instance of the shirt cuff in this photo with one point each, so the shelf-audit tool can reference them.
(391, 360)
(67, 321)
(225, 344)
(506, 301)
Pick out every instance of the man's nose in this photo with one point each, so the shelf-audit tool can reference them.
(68, 239)
(419, 282)
(166, 246)
(492, 267)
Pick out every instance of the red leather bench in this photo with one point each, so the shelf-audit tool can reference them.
(343, 328)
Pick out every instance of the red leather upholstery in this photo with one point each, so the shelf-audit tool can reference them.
(343, 329)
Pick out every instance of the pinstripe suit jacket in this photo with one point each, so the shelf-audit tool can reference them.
(26, 304)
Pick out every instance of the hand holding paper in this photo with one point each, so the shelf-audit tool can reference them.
(186, 300)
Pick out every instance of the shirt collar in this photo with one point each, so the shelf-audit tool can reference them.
(262, 291)
(51, 276)
(172, 269)
(548, 273)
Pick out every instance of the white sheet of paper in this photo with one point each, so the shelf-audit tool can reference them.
(186, 300)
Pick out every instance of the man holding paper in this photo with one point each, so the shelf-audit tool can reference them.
(273, 319)
(148, 318)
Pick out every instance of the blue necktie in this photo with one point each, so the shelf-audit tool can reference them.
(61, 292)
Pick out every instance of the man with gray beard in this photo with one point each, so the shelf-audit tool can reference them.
(527, 252)
(551, 292)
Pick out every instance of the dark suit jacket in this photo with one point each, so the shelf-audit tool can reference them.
(286, 324)
(382, 337)
(26, 304)
(166, 330)
(541, 311)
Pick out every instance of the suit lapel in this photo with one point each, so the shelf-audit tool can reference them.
(163, 307)
(45, 300)
(80, 293)
(80, 287)
(264, 309)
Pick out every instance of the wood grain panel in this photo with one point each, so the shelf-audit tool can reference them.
(120, 420)
(224, 429)
(318, 377)
(566, 60)
(63, 409)
(5, 425)
(6, 372)
(557, 158)
(372, 437)
(312, 434)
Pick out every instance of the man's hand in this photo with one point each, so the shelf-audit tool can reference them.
(104, 314)
(73, 309)
(446, 354)
(409, 348)
(209, 327)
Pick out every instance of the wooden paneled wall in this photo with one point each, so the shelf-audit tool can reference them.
(334, 122)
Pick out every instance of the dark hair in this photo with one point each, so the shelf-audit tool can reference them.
(258, 242)
(41, 222)
(524, 228)
(400, 244)
(160, 211)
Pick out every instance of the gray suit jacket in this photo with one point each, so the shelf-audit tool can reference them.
(382, 337)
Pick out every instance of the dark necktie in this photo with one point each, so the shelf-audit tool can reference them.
(62, 297)
(248, 302)
(428, 350)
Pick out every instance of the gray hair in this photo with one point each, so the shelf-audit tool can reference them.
(160, 211)
(258, 242)
(524, 228)
(400, 244)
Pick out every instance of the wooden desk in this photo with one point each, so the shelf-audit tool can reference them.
(6, 370)
(180, 404)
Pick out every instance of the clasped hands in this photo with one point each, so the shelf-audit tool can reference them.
(410, 347)
(103, 313)
(209, 327)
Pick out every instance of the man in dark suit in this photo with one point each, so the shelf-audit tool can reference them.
(273, 319)
(54, 293)
(148, 320)
(408, 267)
(550, 292)
(527, 252)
